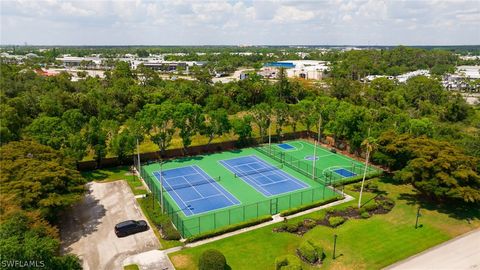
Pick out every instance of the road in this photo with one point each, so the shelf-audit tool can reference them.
(457, 254)
(88, 231)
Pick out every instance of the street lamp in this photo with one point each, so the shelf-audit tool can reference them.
(334, 245)
(418, 215)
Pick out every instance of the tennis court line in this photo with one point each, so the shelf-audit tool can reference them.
(219, 191)
(299, 183)
(210, 181)
(235, 170)
(181, 208)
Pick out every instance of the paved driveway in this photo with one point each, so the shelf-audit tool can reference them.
(88, 230)
(461, 253)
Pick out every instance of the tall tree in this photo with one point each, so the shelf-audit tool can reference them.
(216, 124)
(158, 121)
(188, 119)
(261, 115)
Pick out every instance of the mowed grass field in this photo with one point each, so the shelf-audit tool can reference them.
(371, 243)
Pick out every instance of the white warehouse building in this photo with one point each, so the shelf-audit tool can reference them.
(305, 69)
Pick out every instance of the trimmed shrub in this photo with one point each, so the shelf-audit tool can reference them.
(308, 206)
(288, 262)
(226, 229)
(309, 223)
(365, 214)
(292, 227)
(309, 252)
(212, 259)
(336, 221)
(371, 207)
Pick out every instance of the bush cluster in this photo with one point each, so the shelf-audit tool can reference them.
(310, 252)
(288, 262)
(336, 221)
(212, 259)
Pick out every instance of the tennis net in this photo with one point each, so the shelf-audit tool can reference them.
(171, 186)
(263, 170)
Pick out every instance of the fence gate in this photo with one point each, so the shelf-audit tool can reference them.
(274, 206)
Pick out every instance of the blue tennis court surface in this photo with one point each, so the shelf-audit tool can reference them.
(345, 172)
(286, 146)
(195, 191)
(265, 178)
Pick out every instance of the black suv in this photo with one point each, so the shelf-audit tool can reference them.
(130, 227)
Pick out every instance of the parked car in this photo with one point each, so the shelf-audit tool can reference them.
(129, 227)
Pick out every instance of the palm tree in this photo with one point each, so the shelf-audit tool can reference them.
(370, 144)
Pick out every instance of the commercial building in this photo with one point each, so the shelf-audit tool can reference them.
(305, 69)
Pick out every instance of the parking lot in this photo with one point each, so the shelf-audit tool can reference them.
(88, 230)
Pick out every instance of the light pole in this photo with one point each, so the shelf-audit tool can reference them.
(334, 245)
(418, 215)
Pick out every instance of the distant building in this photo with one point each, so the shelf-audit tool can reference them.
(305, 69)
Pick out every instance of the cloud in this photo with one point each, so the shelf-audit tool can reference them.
(192, 22)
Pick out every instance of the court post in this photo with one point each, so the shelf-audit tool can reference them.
(314, 159)
(138, 157)
(161, 186)
(269, 140)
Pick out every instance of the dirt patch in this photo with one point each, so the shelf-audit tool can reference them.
(182, 261)
(335, 218)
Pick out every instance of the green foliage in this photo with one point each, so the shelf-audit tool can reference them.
(161, 220)
(39, 177)
(336, 221)
(364, 215)
(307, 206)
(188, 119)
(310, 252)
(212, 259)
(25, 236)
(288, 262)
(437, 169)
(229, 228)
(157, 121)
(216, 124)
(243, 128)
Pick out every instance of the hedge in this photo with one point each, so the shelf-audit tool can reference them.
(227, 229)
(308, 206)
(288, 262)
(212, 259)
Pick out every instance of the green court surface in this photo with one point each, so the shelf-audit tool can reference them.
(328, 167)
(248, 200)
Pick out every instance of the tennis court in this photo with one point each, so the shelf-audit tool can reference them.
(208, 192)
(263, 177)
(194, 191)
(318, 163)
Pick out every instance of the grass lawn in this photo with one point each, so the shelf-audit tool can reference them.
(362, 244)
(114, 174)
(131, 267)
(156, 217)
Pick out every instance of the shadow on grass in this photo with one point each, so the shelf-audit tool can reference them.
(102, 174)
(457, 210)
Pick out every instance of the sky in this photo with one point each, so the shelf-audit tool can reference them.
(228, 22)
